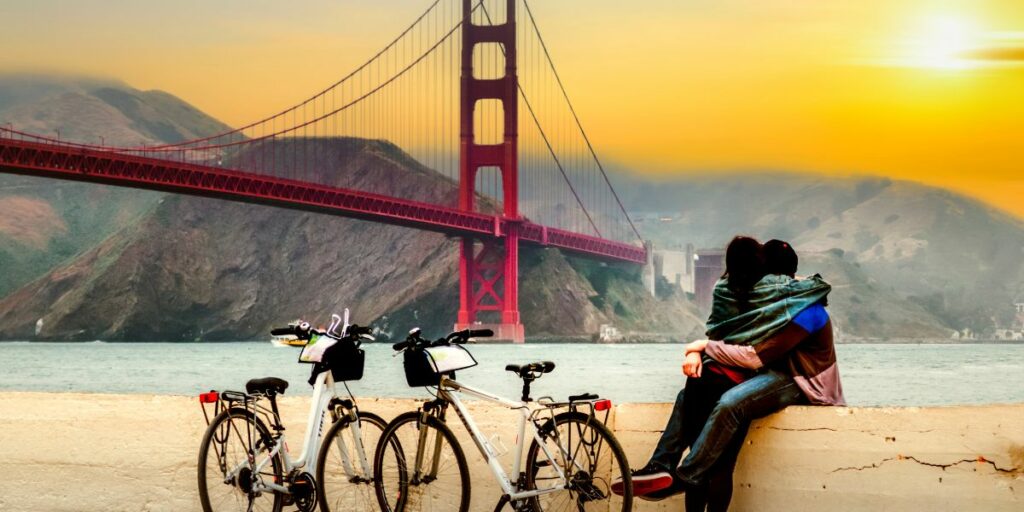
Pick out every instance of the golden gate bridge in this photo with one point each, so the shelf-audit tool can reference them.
(449, 90)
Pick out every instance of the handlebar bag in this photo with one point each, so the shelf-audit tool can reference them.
(346, 361)
(314, 351)
(448, 358)
(424, 367)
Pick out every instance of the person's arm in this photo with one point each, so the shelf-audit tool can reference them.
(778, 345)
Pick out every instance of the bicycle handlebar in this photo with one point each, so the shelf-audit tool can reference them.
(304, 331)
(458, 337)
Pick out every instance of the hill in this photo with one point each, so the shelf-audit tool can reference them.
(140, 266)
(907, 261)
(925, 258)
(45, 222)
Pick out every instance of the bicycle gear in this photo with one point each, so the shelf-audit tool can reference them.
(244, 480)
(303, 491)
(583, 484)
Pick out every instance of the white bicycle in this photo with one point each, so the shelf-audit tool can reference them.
(243, 460)
(570, 463)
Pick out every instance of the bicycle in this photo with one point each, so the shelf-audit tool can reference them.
(243, 460)
(570, 462)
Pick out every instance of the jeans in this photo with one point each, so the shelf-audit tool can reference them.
(754, 398)
(692, 408)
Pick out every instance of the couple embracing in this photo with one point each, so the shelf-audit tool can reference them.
(770, 346)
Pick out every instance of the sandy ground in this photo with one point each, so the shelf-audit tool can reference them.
(87, 452)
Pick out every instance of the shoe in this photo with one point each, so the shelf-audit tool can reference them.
(650, 478)
(677, 487)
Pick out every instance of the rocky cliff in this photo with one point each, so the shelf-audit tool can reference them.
(196, 269)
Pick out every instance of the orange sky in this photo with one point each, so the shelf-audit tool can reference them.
(931, 91)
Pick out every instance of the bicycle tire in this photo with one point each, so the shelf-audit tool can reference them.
(590, 488)
(404, 498)
(358, 500)
(210, 439)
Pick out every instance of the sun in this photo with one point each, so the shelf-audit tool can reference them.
(942, 42)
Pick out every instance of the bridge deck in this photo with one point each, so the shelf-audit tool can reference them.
(113, 168)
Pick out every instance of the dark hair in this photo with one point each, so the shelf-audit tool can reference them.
(744, 265)
(779, 258)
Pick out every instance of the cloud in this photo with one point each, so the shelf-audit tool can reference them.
(1000, 48)
(998, 54)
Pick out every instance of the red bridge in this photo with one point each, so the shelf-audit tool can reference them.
(544, 185)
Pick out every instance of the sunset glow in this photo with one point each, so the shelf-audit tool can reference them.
(909, 89)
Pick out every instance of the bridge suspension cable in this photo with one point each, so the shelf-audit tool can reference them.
(402, 104)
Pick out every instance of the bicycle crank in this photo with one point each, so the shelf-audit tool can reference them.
(303, 492)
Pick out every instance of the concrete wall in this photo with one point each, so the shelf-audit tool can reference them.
(77, 452)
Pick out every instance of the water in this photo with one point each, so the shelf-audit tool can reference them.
(872, 374)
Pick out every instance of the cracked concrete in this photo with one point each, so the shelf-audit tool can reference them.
(83, 453)
(979, 460)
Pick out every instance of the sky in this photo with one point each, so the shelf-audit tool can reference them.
(930, 91)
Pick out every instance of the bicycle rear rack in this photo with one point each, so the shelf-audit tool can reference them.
(588, 403)
(223, 400)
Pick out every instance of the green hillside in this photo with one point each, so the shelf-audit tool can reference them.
(45, 222)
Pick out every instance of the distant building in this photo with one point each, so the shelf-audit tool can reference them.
(691, 271)
(709, 265)
(676, 267)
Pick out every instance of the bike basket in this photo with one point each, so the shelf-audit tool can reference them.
(345, 361)
(424, 367)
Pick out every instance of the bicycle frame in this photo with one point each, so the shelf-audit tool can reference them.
(323, 394)
(449, 391)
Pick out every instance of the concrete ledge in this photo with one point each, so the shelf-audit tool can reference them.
(79, 452)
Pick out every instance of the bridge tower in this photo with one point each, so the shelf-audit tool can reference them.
(489, 269)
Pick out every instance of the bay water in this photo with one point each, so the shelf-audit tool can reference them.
(873, 374)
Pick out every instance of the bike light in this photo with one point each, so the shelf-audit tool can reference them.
(208, 398)
(602, 405)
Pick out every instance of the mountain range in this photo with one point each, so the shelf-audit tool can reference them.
(85, 262)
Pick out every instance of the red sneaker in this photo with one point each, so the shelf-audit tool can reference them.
(646, 480)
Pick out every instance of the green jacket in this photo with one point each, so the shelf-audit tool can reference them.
(769, 306)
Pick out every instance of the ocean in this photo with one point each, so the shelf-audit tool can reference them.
(873, 374)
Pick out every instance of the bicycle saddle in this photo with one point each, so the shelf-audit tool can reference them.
(524, 370)
(269, 386)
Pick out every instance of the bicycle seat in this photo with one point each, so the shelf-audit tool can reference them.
(269, 386)
(525, 370)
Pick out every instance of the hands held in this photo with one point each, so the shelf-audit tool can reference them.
(693, 365)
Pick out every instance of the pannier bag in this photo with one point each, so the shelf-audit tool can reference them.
(424, 367)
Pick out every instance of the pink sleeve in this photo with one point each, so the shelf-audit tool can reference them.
(741, 356)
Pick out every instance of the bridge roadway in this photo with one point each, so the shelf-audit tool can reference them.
(77, 163)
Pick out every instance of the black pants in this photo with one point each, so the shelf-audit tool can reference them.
(692, 408)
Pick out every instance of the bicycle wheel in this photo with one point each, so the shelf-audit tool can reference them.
(343, 483)
(234, 443)
(442, 482)
(589, 456)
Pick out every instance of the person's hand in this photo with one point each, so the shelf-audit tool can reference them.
(692, 366)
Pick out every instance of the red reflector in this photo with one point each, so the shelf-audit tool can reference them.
(208, 398)
(602, 405)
